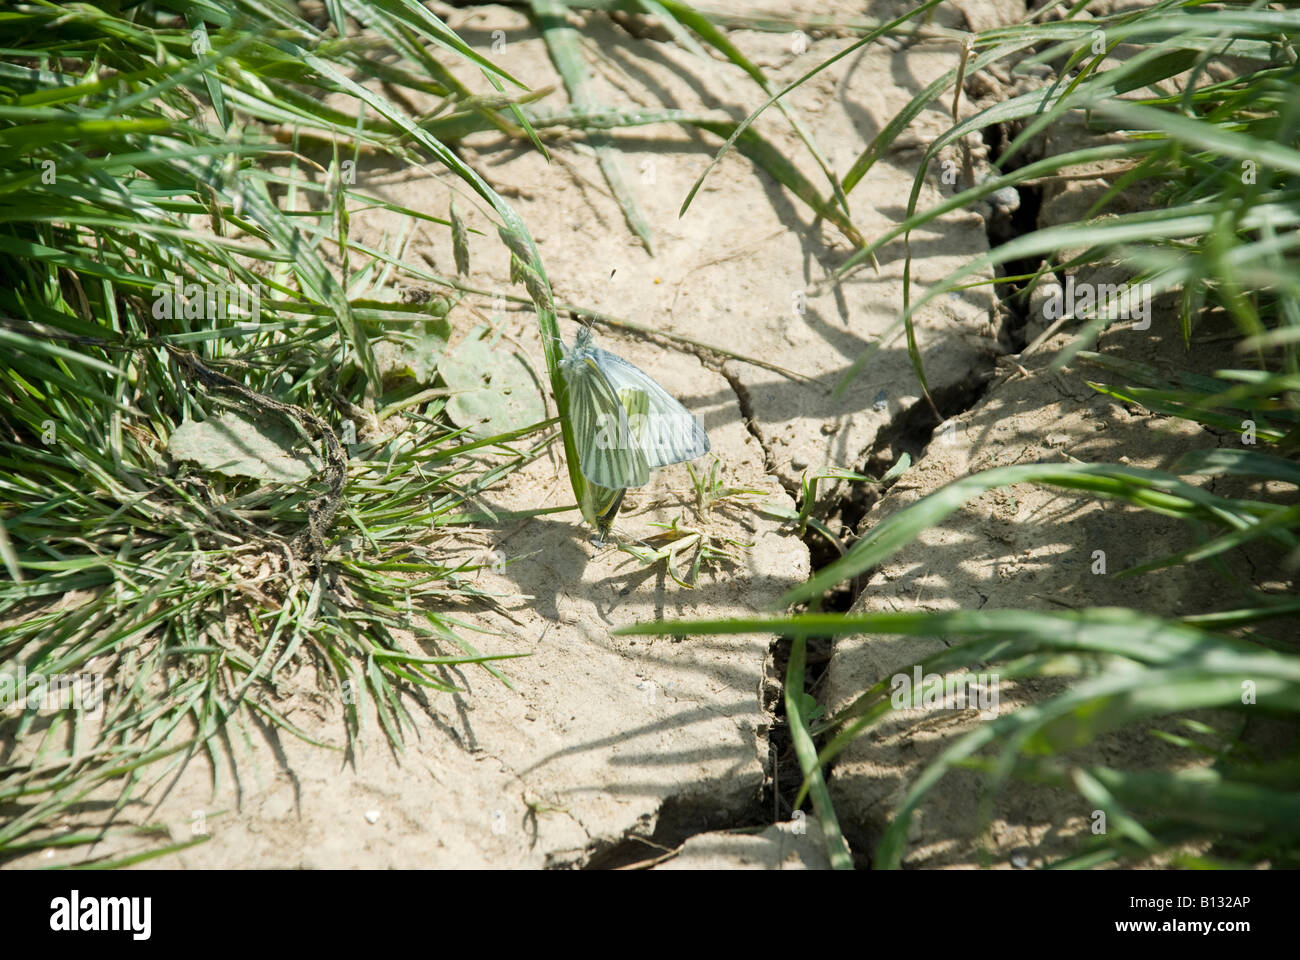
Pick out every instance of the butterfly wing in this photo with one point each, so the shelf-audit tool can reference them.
(601, 428)
(665, 431)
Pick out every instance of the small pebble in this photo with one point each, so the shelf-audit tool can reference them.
(1006, 200)
(372, 816)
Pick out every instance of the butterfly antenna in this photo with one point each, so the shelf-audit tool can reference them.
(560, 341)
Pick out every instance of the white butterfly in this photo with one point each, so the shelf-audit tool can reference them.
(623, 422)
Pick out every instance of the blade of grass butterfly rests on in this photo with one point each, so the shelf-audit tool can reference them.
(624, 424)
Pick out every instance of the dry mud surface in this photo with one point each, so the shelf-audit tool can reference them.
(601, 738)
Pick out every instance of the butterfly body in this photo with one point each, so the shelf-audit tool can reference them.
(624, 423)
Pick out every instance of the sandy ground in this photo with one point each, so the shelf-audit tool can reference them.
(601, 738)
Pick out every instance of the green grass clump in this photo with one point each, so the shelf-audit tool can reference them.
(181, 281)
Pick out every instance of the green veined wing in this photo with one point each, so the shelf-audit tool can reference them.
(600, 427)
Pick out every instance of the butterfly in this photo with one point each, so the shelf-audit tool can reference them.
(624, 424)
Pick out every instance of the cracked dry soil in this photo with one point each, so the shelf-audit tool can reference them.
(608, 750)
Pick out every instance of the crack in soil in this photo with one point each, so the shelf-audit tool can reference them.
(910, 432)
(746, 404)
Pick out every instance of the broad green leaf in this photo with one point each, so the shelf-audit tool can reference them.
(264, 449)
(493, 390)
